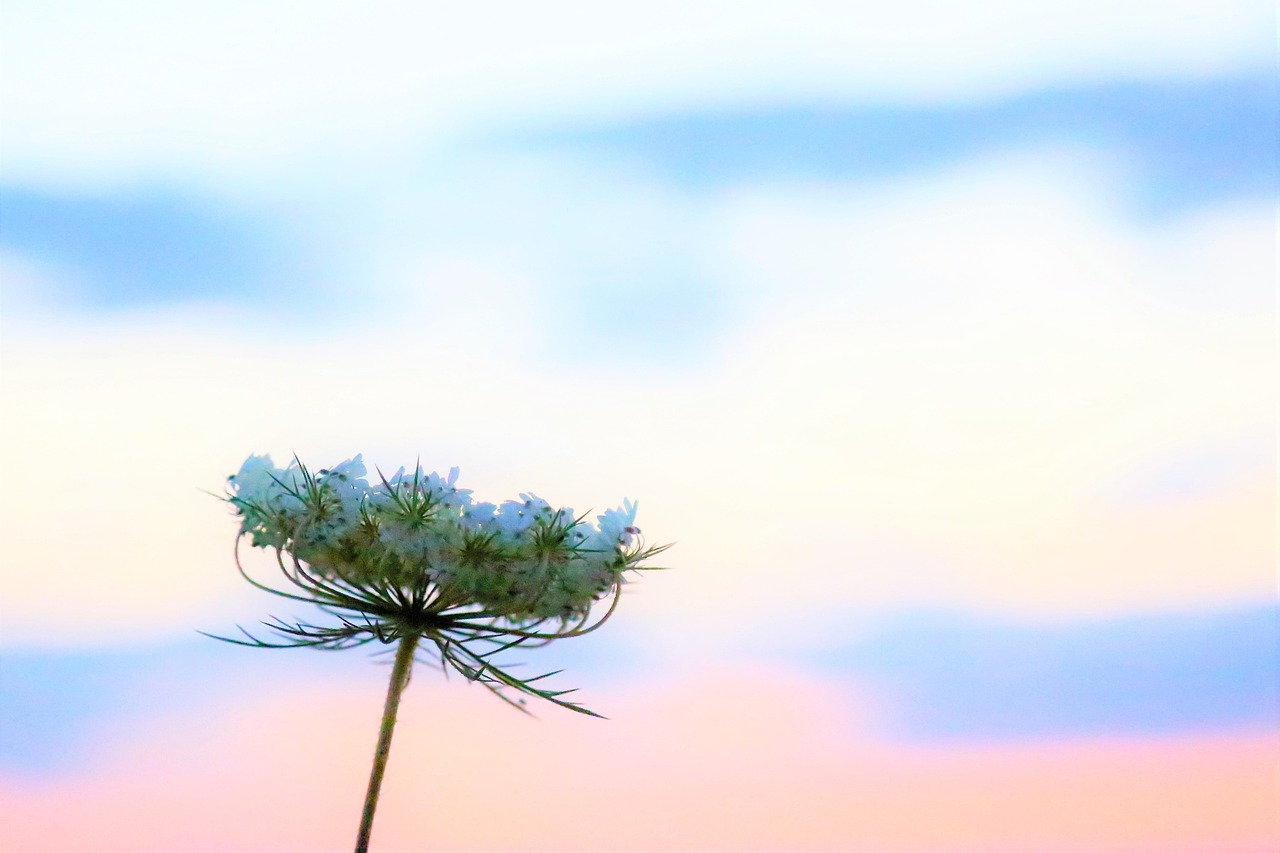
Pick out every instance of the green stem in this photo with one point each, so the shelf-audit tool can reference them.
(399, 678)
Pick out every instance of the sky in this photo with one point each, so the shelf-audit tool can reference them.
(941, 342)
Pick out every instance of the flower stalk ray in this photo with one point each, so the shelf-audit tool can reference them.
(464, 638)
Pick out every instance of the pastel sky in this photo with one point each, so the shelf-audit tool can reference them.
(940, 340)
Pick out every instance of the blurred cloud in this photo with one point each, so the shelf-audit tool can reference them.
(617, 232)
(1196, 474)
(140, 248)
(960, 677)
(61, 707)
(1179, 145)
(236, 91)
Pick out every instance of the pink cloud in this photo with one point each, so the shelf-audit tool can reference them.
(730, 760)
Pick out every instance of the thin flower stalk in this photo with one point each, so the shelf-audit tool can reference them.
(400, 673)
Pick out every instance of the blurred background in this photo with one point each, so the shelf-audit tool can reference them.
(939, 338)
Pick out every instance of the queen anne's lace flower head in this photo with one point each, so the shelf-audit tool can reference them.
(414, 554)
(522, 560)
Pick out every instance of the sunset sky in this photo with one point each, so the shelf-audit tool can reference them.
(940, 340)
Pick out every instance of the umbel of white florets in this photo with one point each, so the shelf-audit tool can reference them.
(522, 559)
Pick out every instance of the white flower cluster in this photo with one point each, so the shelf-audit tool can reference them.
(521, 559)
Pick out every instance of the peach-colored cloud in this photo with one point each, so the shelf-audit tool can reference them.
(753, 759)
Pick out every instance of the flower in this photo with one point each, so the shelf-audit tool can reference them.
(617, 526)
(412, 555)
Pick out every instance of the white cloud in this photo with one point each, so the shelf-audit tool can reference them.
(930, 395)
(257, 91)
